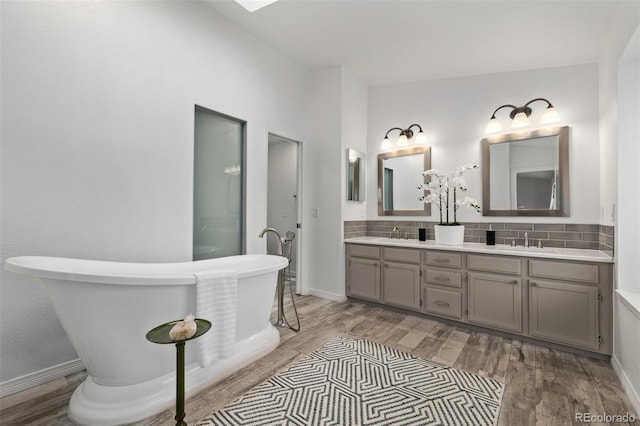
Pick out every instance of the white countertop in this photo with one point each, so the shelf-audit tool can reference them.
(545, 252)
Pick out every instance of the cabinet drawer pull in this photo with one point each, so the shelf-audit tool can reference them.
(445, 279)
(442, 260)
(441, 303)
(375, 264)
(514, 282)
(533, 284)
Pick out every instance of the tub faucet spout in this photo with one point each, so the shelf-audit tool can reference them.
(265, 230)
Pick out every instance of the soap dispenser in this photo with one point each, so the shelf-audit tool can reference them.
(491, 236)
(422, 233)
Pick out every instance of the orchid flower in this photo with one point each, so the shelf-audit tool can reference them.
(441, 185)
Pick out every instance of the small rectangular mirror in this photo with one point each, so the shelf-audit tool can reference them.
(399, 175)
(356, 175)
(526, 174)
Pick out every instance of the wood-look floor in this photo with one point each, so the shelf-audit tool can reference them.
(543, 386)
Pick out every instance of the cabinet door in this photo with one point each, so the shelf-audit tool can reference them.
(564, 313)
(495, 301)
(401, 285)
(364, 278)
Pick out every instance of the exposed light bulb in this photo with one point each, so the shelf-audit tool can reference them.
(520, 120)
(402, 140)
(386, 144)
(493, 126)
(421, 138)
(549, 116)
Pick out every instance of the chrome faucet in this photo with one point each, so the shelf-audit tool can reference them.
(526, 239)
(265, 230)
(397, 230)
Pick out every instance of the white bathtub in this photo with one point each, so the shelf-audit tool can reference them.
(106, 309)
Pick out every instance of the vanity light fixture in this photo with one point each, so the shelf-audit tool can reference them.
(520, 116)
(406, 135)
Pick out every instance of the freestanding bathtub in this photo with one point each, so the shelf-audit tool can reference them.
(106, 308)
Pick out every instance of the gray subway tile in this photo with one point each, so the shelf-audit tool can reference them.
(553, 243)
(507, 234)
(589, 245)
(548, 226)
(606, 229)
(494, 225)
(518, 226)
(574, 236)
(470, 225)
(589, 236)
(577, 227)
(534, 234)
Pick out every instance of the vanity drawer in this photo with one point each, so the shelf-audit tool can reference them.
(440, 277)
(569, 271)
(359, 250)
(444, 302)
(440, 258)
(402, 255)
(502, 264)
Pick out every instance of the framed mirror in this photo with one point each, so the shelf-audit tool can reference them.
(399, 175)
(356, 175)
(526, 173)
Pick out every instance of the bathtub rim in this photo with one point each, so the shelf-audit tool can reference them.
(132, 273)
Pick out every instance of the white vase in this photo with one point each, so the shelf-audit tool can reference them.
(449, 235)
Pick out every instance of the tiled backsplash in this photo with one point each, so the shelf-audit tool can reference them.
(566, 235)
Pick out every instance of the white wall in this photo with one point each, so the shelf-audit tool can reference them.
(354, 135)
(323, 159)
(97, 141)
(620, 89)
(454, 113)
(337, 121)
(624, 24)
(628, 237)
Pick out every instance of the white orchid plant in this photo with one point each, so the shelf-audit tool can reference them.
(441, 186)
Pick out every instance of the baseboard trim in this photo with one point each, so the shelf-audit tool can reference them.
(40, 377)
(632, 393)
(327, 295)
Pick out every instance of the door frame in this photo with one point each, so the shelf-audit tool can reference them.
(299, 205)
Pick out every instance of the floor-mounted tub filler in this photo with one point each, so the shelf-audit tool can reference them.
(106, 308)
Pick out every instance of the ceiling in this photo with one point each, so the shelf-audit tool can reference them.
(396, 41)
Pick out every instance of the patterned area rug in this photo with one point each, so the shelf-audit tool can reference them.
(351, 381)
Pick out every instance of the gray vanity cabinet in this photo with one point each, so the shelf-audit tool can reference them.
(564, 313)
(558, 301)
(363, 272)
(564, 302)
(442, 287)
(401, 278)
(495, 300)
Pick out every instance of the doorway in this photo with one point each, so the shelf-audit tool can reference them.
(283, 197)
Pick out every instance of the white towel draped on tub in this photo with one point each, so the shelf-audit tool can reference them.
(216, 301)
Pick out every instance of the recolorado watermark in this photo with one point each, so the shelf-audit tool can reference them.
(605, 418)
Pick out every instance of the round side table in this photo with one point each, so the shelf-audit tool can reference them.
(160, 334)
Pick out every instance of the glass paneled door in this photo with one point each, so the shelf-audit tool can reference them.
(218, 199)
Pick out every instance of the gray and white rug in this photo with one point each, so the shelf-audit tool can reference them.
(351, 381)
